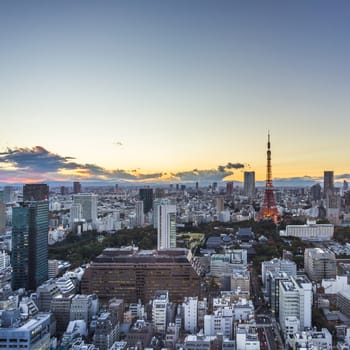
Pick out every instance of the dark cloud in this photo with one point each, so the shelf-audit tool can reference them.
(203, 175)
(39, 162)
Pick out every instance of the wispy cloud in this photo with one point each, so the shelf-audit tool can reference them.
(36, 163)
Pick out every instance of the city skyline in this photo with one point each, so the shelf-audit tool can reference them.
(175, 91)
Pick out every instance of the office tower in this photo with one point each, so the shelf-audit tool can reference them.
(76, 187)
(295, 299)
(140, 218)
(315, 192)
(30, 249)
(2, 217)
(8, 194)
(214, 186)
(249, 184)
(269, 209)
(156, 203)
(229, 188)
(166, 226)
(35, 192)
(76, 213)
(132, 275)
(159, 308)
(190, 308)
(146, 195)
(88, 202)
(345, 186)
(328, 183)
(319, 264)
(219, 204)
(197, 186)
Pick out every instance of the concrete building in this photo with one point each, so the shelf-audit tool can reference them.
(140, 334)
(159, 310)
(310, 340)
(31, 334)
(246, 338)
(106, 332)
(240, 280)
(221, 321)
(295, 299)
(319, 264)
(310, 232)
(190, 310)
(45, 293)
(200, 342)
(84, 307)
(166, 231)
(277, 265)
(60, 308)
(133, 275)
(343, 302)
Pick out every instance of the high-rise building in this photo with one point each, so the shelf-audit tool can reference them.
(30, 223)
(229, 188)
(249, 184)
(2, 217)
(220, 204)
(315, 192)
(88, 202)
(295, 299)
(190, 307)
(159, 308)
(76, 187)
(328, 183)
(35, 192)
(319, 264)
(140, 218)
(146, 195)
(8, 194)
(166, 226)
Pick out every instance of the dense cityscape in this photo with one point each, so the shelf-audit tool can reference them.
(174, 175)
(176, 267)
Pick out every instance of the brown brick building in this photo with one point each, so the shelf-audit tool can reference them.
(133, 274)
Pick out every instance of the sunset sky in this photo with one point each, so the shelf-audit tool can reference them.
(140, 90)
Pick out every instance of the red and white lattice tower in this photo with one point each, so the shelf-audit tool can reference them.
(269, 209)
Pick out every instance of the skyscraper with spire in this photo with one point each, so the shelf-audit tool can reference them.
(269, 209)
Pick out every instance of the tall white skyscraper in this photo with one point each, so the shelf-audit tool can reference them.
(166, 226)
(140, 217)
(249, 184)
(88, 202)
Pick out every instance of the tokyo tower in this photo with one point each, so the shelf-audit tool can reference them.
(269, 209)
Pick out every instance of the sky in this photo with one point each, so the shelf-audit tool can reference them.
(173, 90)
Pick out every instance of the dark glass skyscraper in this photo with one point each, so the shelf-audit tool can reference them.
(146, 195)
(35, 192)
(30, 222)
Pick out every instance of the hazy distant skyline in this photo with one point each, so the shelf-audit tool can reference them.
(172, 86)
